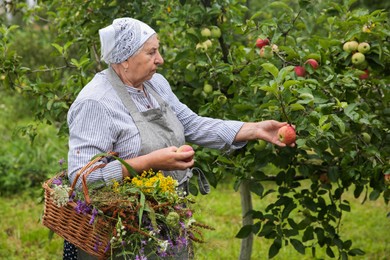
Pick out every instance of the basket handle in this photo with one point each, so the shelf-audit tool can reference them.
(87, 169)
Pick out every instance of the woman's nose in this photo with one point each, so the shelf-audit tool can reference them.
(159, 59)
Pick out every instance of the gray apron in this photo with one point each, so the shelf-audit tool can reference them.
(158, 128)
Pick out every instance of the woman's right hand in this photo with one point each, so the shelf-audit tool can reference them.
(170, 159)
(162, 159)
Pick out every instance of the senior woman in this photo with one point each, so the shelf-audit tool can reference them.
(129, 108)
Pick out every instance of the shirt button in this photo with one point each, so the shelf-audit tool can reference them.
(147, 106)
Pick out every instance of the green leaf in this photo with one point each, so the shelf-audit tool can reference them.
(257, 188)
(272, 89)
(271, 68)
(274, 249)
(356, 251)
(374, 195)
(244, 232)
(308, 234)
(142, 207)
(329, 252)
(289, 83)
(298, 245)
(339, 122)
(58, 47)
(283, 73)
(280, 5)
(345, 207)
(296, 107)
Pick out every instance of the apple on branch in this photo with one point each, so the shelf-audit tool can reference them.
(350, 46)
(266, 52)
(287, 135)
(364, 47)
(358, 58)
(260, 43)
(365, 75)
(313, 63)
(300, 71)
(205, 32)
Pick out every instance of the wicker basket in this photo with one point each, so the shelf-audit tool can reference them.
(75, 227)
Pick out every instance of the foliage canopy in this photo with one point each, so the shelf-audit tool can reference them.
(342, 120)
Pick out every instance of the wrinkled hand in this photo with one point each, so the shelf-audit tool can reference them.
(169, 159)
(266, 130)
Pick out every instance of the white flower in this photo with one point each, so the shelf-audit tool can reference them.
(60, 195)
(190, 221)
(163, 244)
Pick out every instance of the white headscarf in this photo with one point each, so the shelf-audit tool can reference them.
(122, 39)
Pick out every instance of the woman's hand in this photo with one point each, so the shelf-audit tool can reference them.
(163, 159)
(266, 130)
(171, 159)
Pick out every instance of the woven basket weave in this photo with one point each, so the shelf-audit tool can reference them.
(73, 226)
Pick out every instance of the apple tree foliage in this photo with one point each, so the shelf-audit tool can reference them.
(342, 121)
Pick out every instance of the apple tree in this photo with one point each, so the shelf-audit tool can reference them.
(319, 65)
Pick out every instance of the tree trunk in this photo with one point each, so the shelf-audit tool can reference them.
(246, 205)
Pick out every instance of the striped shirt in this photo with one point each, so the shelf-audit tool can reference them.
(99, 122)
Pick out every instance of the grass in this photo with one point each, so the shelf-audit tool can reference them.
(366, 225)
(22, 235)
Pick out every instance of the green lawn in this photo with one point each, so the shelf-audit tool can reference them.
(22, 235)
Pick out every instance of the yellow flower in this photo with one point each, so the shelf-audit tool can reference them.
(115, 186)
(148, 180)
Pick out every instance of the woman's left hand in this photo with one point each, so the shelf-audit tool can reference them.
(266, 130)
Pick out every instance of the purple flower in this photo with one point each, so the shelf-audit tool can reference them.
(94, 214)
(82, 208)
(96, 246)
(182, 241)
(140, 257)
(107, 247)
(61, 161)
(57, 181)
(72, 196)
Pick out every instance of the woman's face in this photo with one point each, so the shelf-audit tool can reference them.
(144, 63)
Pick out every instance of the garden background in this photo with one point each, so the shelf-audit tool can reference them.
(325, 198)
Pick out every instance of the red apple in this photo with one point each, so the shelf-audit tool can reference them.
(324, 178)
(387, 179)
(365, 75)
(313, 63)
(266, 52)
(300, 71)
(262, 42)
(287, 135)
(185, 148)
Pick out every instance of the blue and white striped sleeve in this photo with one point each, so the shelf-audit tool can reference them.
(91, 132)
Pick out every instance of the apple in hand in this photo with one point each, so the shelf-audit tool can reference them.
(313, 63)
(185, 148)
(287, 135)
(300, 71)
